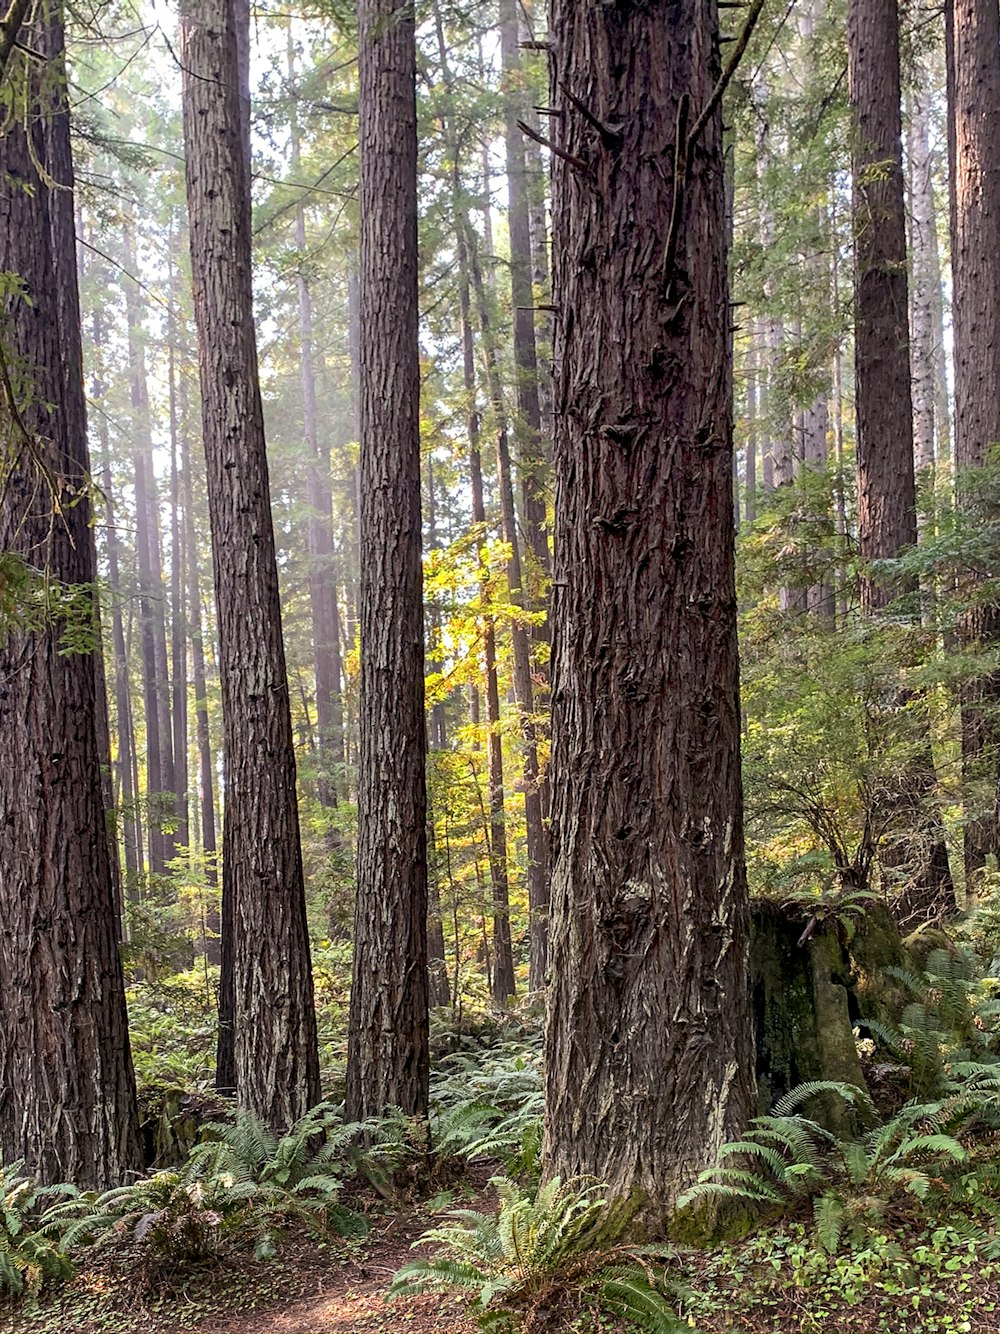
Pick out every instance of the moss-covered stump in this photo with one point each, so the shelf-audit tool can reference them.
(875, 946)
(171, 1120)
(802, 1009)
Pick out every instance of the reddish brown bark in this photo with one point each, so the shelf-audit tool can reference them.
(274, 1024)
(67, 1090)
(649, 1065)
(387, 1037)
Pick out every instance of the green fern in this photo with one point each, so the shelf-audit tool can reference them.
(561, 1242)
(31, 1250)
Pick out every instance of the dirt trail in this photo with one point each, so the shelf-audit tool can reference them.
(352, 1299)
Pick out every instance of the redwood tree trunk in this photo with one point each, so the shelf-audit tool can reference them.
(387, 1059)
(974, 85)
(274, 1023)
(887, 516)
(649, 1062)
(887, 511)
(67, 1090)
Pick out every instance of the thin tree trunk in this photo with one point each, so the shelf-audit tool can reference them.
(387, 1062)
(921, 192)
(65, 1067)
(156, 680)
(750, 498)
(322, 575)
(123, 706)
(178, 628)
(274, 1022)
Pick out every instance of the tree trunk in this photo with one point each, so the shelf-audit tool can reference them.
(387, 1063)
(537, 851)
(528, 427)
(156, 683)
(649, 1063)
(131, 835)
(274, 1023)
(322, 576)
(887, 516)
(921, 191)
(887, 519)
(206, 770)
(974, 85)
(750, 498)
(65, 1067)
(178, 628)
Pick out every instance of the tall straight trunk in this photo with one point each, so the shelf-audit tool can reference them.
(322, 575)
(65, 1067)
(156, 682)
(887, 520)
(178, 628)
(535, 837)
(131, 836)
(974, 85)
(922, 223)
(503, 973)
(438, 992)
(203, 735)
(274, 1022)
(887, 516)
(500, 979)
(649, 1063)
(528, 429)
(750, 479)
(387, 1058)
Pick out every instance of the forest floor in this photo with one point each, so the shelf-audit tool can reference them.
(332, 1287)
(339, 1287)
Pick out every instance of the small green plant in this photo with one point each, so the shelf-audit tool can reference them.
(491, 1107)
(31, 1252)
(243, 1181)
(950, 1018)
(558, 1247)
(170, 1217)
(853, 1183)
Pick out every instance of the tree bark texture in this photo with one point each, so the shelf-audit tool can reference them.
(67, 1090)
(974, 84)
(274, 1024)
(387, 1037)
(887, 517)
(922, 284)
(648, 1043)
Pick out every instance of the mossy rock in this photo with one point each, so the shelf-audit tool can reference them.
(171, 1120)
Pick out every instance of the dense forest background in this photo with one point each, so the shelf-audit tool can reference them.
(334, 525)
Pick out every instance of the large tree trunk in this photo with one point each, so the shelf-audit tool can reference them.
(974, 85)
(649, 1061)
(387, 1062)
(274, 1023)
(68, 1090)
